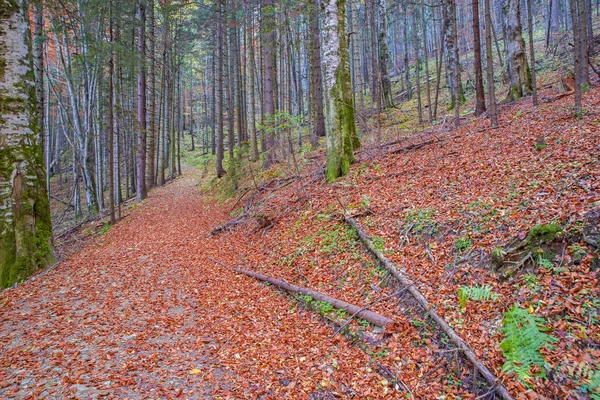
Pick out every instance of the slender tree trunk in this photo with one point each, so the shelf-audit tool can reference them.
(355, 41)
(268, 48)
(141, 190)
(577, 61)
(229, 89)
(152, 133)
(426, 57)
(316, 80)
(250, 43)
(384, 55)
(406, 58)
(416, 46)
(531, 52)
(111, 121)
(219, 102)
(38, 69)
(489, 61)
(457, 85)
(479, 92)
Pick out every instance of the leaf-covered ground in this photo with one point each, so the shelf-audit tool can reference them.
(143, 312)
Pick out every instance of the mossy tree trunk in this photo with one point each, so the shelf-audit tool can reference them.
(342, 138)
(449, 16)
(25, 228)
(384, 55)
(519, 74)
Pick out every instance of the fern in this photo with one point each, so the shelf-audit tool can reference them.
(523, 338)
(477, 293)
(586, 377)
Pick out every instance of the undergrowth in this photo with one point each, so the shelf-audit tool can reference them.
(524, 337)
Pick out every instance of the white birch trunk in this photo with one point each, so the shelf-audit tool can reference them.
(25, 228)
(342, 139)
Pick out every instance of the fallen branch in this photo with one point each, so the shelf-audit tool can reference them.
(444, 326)
(61, 201)
(229, 224)
(367, 315)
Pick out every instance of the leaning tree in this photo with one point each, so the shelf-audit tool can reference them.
(25, 228)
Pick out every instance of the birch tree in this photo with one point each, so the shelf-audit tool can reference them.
(342, 138)
(25, 226)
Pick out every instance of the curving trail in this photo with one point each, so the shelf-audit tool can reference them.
(142, 313)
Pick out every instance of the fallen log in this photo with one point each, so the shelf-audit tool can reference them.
(444, 326)
(229, 224)
(351, 309)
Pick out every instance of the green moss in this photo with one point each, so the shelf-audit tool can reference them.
(8, 8)
(343, 124)
(543, 234)
(26, 243)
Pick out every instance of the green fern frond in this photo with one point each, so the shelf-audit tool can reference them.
(523, 338)
(587, 378)
(476, 293)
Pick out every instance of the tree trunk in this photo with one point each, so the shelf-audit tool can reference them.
(489, 61)
(355, 42)
(449, 15)
(384, 55)
(531, 52)
(141, 190)
(519, 74)
(268, 49)
(316, 80)
(426, 58)
(25, 227)
(38, 68)
(416, 46)
(479, 92)
(577, 61)
(151, 156)
(219, 102)
(342, 138)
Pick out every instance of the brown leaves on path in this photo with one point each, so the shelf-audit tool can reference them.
(141, 313)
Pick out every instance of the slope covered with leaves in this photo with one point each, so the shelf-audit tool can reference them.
(143, 311)
(441, 211)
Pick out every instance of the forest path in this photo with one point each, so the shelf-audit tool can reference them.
(141, 312)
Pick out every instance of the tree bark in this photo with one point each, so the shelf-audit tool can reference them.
(219, 100)
(316, 80)
(479, 92)
(111, 121)
(141, 190)
(384, 55)
(519, 74)
(531, 52)
(151, 156)
(25, 227)
(351, 309)
(252, 73)
(342, 138)
(489, 61)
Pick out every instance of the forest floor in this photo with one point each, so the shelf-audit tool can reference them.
(143, 311)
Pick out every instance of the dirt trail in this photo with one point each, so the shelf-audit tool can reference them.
(142, 313)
